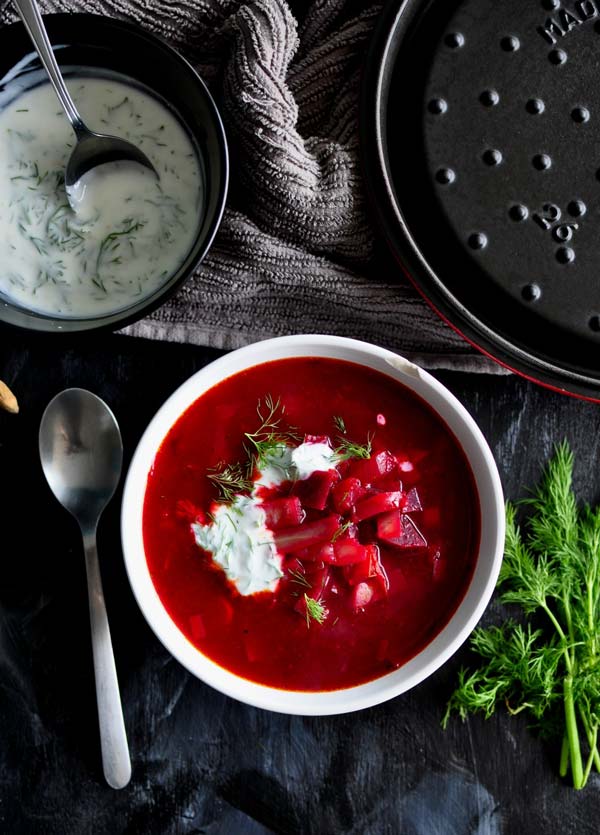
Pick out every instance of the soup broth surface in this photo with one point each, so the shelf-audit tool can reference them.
(266, 637)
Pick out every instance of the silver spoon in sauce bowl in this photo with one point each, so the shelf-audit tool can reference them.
(81, 453)
(91, 149)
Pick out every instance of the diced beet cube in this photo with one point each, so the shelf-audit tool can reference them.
(374, 468)
(283, 513)
(412, 502)
(319, 553)
(389, 525)
(327, 551)
(377, 571)
(370, 569)
(310, 533)
(316, 439)
(364, 570)
(389, 484)
(346, 493)
(318, 579)
(362, 594)
(314, 491)
(400, 531)
(347, 551)
(351, 530)
(376, 504)
(358, 572)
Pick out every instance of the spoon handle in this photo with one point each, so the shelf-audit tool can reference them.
(29, 12)
(113, 738)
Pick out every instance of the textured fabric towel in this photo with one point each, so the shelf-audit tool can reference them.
(296, 252)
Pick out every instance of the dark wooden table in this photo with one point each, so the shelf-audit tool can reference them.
(203, 763)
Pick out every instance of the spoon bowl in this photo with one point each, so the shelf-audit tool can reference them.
(81, 453)
(94, 149)
(91, 149)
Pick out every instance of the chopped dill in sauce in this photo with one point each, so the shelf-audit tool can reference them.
(128, 233)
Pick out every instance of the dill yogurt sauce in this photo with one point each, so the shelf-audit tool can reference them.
(130, 232)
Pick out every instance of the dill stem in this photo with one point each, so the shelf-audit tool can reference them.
(590, 614)
(593, 751)
(573, 733)
(561, 633)
(567, 610)
(591, 734)
(564, 756)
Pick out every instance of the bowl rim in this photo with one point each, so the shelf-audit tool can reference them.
(111, 322)
(437, 651)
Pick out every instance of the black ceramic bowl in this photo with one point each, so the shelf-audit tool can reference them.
(101, 46)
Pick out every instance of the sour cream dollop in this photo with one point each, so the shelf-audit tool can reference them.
(242, 545)
(238, 538)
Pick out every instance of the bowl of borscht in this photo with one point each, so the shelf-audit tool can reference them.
(312, 524)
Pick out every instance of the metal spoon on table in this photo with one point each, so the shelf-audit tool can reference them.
(82, 453)
(91, 149)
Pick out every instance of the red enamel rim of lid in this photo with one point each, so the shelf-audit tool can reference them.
(486, 353)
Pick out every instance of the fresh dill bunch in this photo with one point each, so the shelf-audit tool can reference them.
(552, 673)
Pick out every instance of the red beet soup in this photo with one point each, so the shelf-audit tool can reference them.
(373, 550)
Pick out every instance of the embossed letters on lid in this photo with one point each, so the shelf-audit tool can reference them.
(587, 10)
(583, 11)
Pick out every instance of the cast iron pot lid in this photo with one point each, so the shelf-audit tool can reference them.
(481, 140)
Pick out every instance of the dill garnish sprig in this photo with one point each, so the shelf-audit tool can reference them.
(231, 479)
(343, 528)
(315, 610)
(299, 578)
(552, 571)
(270, 437)
(346, 449)
(340, 424)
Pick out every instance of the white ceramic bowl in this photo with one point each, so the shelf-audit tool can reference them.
(441, 647)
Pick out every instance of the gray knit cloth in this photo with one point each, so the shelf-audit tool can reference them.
(296, 251)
